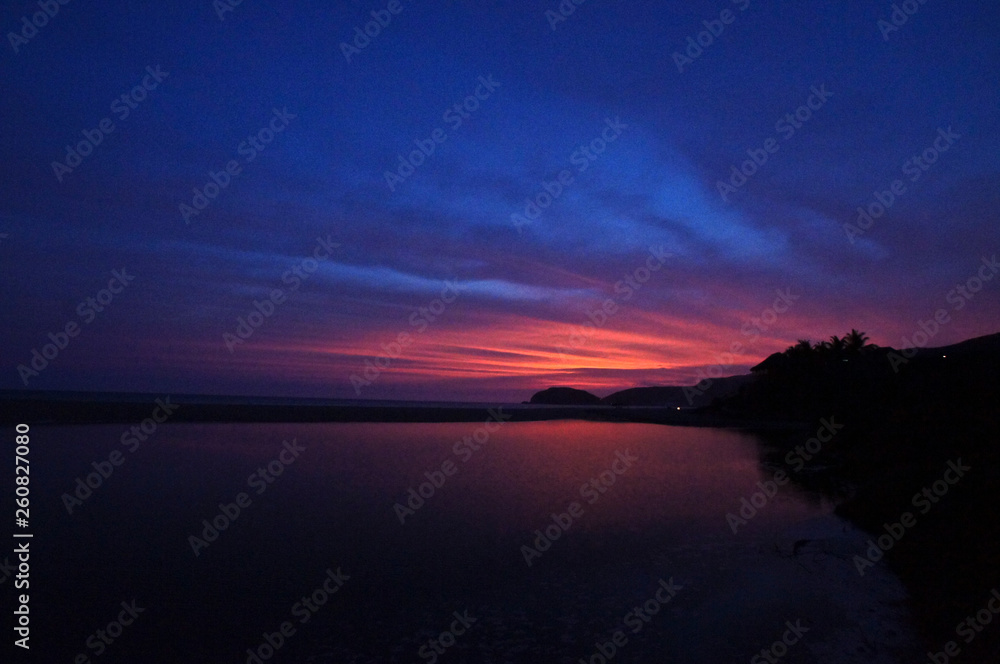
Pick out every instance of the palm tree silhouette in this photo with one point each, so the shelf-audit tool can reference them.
(836, 344)
(802, 349)
(855, 341)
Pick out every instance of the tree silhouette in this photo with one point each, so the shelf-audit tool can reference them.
(803, 347)
(804, 356)
(856, 341)
(836, 346)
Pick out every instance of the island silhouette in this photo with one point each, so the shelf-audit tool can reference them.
(903, 419)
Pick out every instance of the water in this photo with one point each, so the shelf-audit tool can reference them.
(331, 513)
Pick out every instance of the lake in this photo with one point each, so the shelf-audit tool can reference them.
(554, 541)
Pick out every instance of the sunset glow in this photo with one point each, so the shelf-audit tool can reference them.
(495, 209)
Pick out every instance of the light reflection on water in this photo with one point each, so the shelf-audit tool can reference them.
(664, 515)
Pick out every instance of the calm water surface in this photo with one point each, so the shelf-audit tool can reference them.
(333, 507)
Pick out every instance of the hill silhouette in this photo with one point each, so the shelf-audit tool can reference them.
(678, 396)
(564, 396)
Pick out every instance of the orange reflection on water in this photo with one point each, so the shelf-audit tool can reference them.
(515, 478)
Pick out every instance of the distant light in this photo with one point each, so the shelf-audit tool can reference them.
(944, 356)
(678, 407)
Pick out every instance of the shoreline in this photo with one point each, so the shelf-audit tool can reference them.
(68, 411)
(868, 481)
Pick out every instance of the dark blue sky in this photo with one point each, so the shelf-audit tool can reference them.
(656, 143)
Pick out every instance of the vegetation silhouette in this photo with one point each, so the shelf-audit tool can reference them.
(906, 415)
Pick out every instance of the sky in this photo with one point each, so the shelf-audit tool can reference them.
(476, 201)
